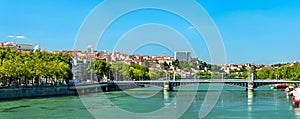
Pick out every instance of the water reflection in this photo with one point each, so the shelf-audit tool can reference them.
(287, 97)
(170, 99)
(167, 99)
(297, 112)
(250, 103)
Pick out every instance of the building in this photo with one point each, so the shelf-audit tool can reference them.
(183, 56)
(11, 45)
(90, 49)
(80, 73)
(25, 47)
(20, 47)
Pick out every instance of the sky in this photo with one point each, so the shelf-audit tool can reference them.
(253, 31)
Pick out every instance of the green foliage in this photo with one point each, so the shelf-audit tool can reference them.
(157, 74)
(283, 72)
(203, 65)
(176, 63)
(99, 67)
(138, 72)
(119, 71)
(186, 66)
(204, 75)
(19, 68)
(232, 76)
(237, 75)
(177, 76)
(166, 66)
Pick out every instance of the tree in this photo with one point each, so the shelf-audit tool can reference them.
(166, 66)
(280, 72)
(120, 71)
(19, 68)
(99, 67)
(177, 76)
(204, 75)
(138, 72)
(157, 74)
(176, 63)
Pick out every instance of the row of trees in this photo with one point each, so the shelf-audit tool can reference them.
(18, 68)
(119, 71)
(237, 75)
(218, 75)
(123, 72)
(278, 72)
(205, 75)
(283, 72)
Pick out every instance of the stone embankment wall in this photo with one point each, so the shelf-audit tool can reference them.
(23, 92)
(44, 91)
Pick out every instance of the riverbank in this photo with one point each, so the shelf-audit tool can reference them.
(47, 91)
(29, 92)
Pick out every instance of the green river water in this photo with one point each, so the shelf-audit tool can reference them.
(233, 103)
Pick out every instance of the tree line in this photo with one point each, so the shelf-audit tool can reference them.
(282, 72)
(278, 71)
(123, 72)
(36, 68)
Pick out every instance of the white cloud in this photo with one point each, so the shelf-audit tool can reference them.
(20, 37)
(10, 36)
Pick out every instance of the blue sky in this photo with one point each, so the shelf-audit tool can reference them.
(256, 31)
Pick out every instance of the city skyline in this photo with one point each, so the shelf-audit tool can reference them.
(262, 32)
(90, 53)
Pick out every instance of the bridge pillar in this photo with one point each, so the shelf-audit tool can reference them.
(250, 87)
(168, 86)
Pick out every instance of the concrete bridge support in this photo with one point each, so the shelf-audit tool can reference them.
(168, 86)
(250, 87)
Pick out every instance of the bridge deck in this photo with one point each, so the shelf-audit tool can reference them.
(171, 84)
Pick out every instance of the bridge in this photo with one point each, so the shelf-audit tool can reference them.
(169, 85)
(241, 83)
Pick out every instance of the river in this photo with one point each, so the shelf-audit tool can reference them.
(233, 103)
